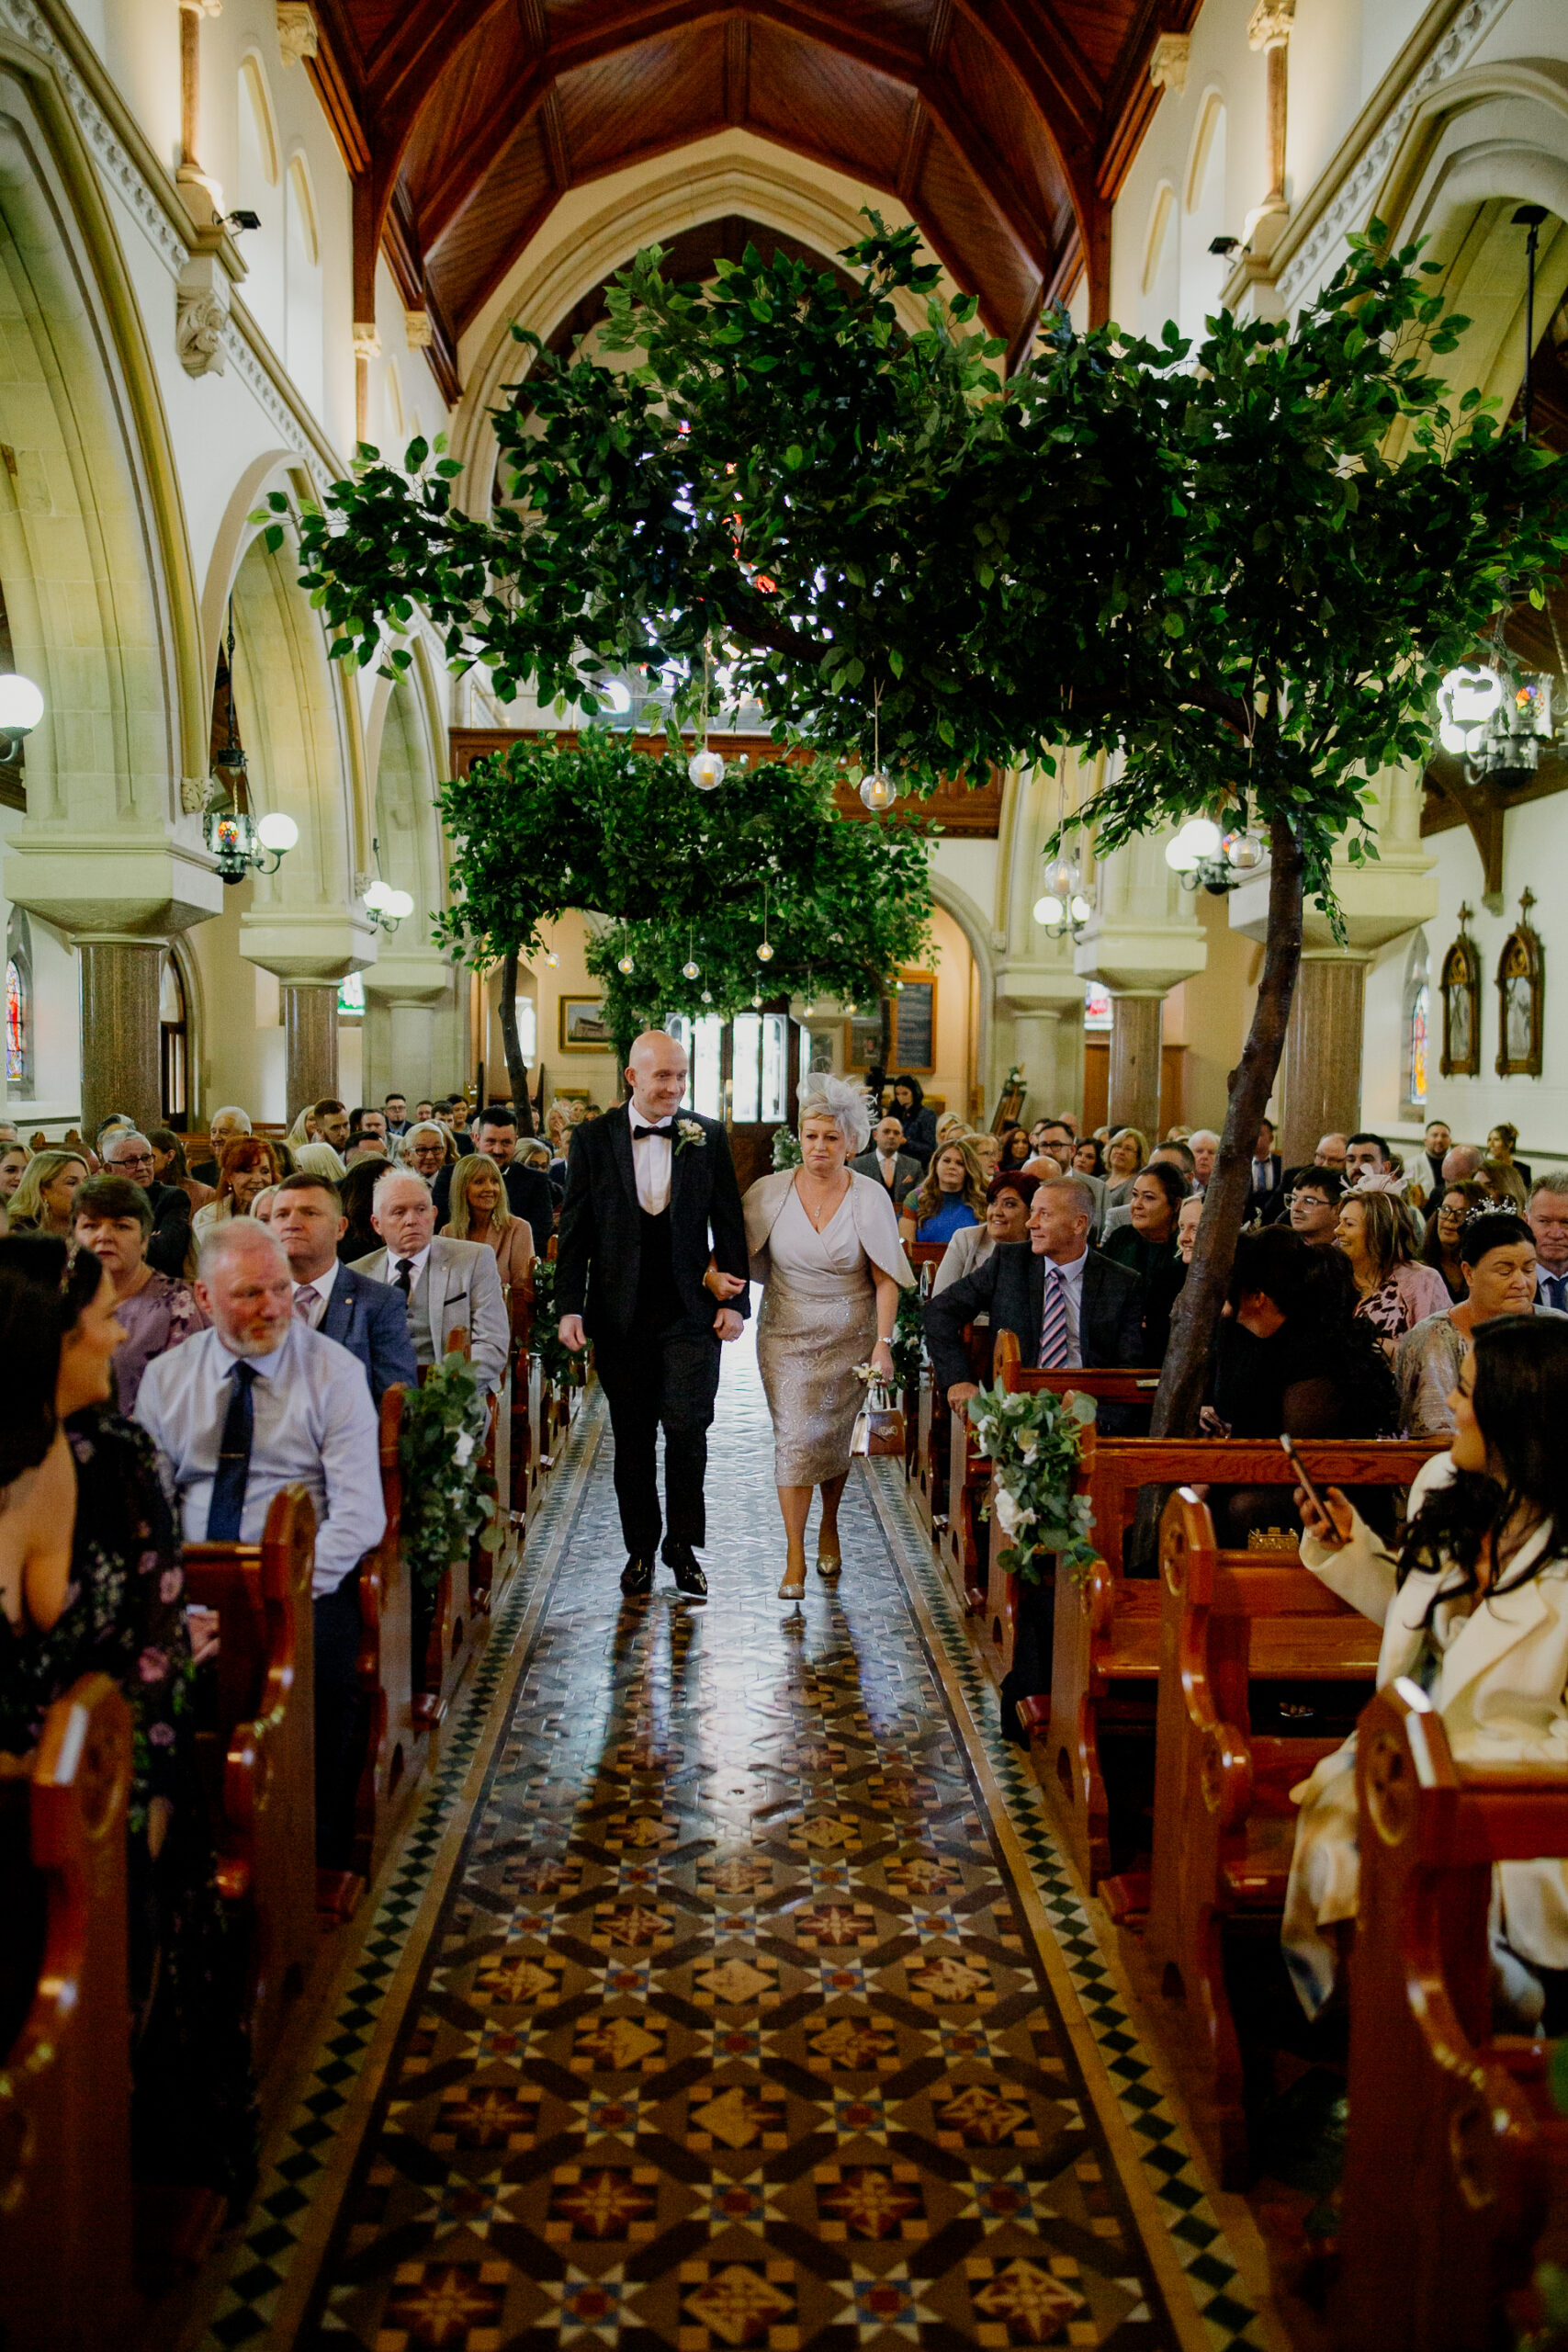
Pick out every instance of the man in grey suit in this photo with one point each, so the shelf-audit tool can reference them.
(445, 1283)
(887, 1163)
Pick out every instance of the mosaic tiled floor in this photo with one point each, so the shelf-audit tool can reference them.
(732, 2033)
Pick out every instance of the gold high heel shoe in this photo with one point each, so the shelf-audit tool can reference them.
(829, 1565)
(793, 1584)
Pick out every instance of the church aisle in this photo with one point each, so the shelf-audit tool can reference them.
(731, 2032)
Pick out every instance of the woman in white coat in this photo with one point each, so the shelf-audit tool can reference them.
(825, 1243)
(1475, 1611)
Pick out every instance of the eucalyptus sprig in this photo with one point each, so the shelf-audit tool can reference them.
(447, 1490)
(1032, 1443)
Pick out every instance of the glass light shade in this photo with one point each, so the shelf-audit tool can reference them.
(1469, 697)
(1079, 908)
(617, 697)
(1180, 856)
(756, 1003)
(1203, 835)
(278, 831)
(690, 972)
(21, 703)
(1048, 910)
(708, 996)
(705, 770)
(399, 904)
(1453, 739)
(1061, 878)
(878, 791)
(377, 895)
(1244, 851)
(766, 953)
(552, 961)
(624, 964)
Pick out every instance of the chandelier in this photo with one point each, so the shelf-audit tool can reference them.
(1208, 859)
(240, 845)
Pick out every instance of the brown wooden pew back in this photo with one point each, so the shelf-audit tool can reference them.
(398, 1734)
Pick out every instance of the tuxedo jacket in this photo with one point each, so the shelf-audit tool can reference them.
(907, 1174)
(1011, 1288)
(370, 1320)
(460, 1288)
(599, 1248)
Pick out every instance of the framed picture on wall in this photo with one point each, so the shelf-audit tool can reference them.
(1460, 987)
(862, 1040)
(913, 1028)
(1522, 1007)
(582, 1026)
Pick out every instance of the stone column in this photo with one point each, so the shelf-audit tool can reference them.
(119, 1028)
(1136, 1061)
(1322, 1070)
(309, 1043)
(403, 993)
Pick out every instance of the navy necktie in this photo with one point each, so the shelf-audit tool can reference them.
(226, 1504)
(1553, 1286)
(404, 1278)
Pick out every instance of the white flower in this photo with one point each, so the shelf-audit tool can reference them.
(464, 1449)
(1028, 1445)
(1011, 1513)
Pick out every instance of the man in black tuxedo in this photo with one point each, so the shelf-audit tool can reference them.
(528, 1193)
(650, 1196)
(1069, 1306)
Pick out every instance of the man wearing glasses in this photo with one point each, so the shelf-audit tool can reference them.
(125, 1153)
(1315, 1195)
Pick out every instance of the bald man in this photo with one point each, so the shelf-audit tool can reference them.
(650, 1199)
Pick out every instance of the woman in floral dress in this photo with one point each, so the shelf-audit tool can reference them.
(91, 1582)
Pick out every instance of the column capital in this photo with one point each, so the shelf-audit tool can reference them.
(416, 976)
(1270, 24)
(310, 947)
(121, 885)
(1141, 959)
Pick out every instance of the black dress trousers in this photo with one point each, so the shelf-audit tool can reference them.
(662, 1374)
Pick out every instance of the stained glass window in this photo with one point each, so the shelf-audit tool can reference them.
(1420, 1012)
(350, 994)
(17, 1011)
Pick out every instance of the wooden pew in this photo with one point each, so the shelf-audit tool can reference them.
(961, 1534)
(1105, 1645)
(521, 1490)
(262, 1753)
(925, 1451)
(398, 1726)
(998, 1609)
(1454, 2152)
(1223, 1822)
(65, 2191)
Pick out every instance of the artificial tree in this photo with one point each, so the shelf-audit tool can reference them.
(682, 877)
(1240, 566)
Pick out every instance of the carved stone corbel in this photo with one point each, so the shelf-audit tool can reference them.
(1169, 60)
(366, 342)
(419, 330)
(298, 37)
(201, 313)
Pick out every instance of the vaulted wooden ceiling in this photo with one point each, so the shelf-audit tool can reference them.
(1005, 127)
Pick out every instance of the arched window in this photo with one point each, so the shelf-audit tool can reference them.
(19, 1005)
(1162, 264)
(303, 265)
(259, 191)
(1417, 1029)
(174, 1042)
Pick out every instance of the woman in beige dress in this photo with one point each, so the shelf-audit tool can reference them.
(825, 1243)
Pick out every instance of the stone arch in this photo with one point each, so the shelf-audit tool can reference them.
(957, 902)
(594, 231)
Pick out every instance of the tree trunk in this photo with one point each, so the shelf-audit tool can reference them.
(516, 1070)
(1185, 1377)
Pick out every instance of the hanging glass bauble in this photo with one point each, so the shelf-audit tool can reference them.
(705, 770)
(690, 972)
(708, 996)
(766, 953)
(1061, 878)
(756, 1004)
(1244, 851)
(878, 791)
(624, 964)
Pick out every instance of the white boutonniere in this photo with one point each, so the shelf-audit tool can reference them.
(690, 1131)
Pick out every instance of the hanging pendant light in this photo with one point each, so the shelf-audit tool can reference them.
(704, 767)
(239, 844)
(691, 970)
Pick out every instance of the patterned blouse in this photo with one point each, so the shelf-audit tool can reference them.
(156, 1318)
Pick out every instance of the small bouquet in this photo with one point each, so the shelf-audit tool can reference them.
(880, 1428)
(1033, 1440)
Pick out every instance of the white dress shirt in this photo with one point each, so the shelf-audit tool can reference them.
(417, 1265)
(1072, 1300)
(651, 1162)
(316, 1296)
(312, 1425)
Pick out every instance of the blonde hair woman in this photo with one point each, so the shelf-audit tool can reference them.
(1124, 1156)
(824, 1241)
(952, 1196)
(476, 1211)
(43, 1200)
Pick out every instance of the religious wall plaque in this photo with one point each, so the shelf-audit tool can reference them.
(1521, 998)
(1460, 987)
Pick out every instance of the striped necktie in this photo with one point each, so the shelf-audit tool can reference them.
(1054, 1324)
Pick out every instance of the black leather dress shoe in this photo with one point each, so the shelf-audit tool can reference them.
(689, 1576)
(637, 1578)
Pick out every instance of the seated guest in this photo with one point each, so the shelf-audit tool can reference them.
(1007, 1198)
(1330, 1153)
(1088, 1160)
(427, 1149)
(528, 1193)
(14, 1161)
(319, 1159)
(1548, 1220)
(887, 1163)
(1267, 1171)
(366, 1121)
(952, 1195)
(156, 1311)
(1505, 1183)
(1313, 1195)
(1016, 1148)
(988, 1150)
(1462, 1163)
(364, 1317)
(366, 1148)
(260, 1207)
(1069, 1306)
(1124, 1155)
(249, 1165)
(447, 1286)
(358, 1193)
(479, 1213)
(396, 1112)
(1189, 1218)
(1205, 1145)
(1392, 1292)
(908, 1106)
(1502, 1141)
(327, 1122)
(950, 1128)
(130, 1155)
(1147, 1248)
(1488, 1520)
(1440, 1249)
(227, 1126)
(90, 1582)
(1365, 1155)
(1163, 1155)
(258, 1403)
(1436, 1145)
(169, 1165)
(42, 1202)
(1496, 1255)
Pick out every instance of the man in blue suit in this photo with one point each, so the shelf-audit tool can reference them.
(366, 1317)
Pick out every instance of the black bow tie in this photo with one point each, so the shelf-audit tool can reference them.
(638, 1133)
